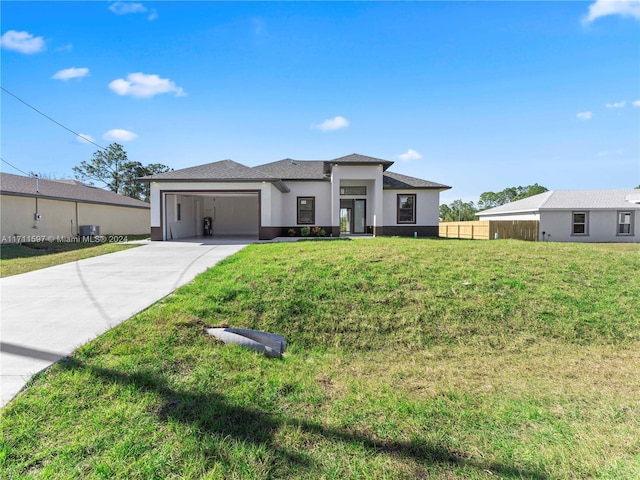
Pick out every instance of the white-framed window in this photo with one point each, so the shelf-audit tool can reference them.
(625, 223)
(580, 223)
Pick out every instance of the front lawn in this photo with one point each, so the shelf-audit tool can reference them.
(407, 359)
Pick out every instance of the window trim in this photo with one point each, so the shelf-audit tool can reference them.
(631, 223)
(574, 223)
(398, 203)
(313, 210)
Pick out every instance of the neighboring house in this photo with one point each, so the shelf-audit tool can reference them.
(577, 215)
(35, 208)
(348, 195)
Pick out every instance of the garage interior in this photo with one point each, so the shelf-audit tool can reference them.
(227, 214)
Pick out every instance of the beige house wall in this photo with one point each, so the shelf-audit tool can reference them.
(60, 218)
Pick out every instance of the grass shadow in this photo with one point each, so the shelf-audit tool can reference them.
(213, 415)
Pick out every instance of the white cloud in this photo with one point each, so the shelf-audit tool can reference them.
(636, 103)
(69, 73)
(604, 8)
(120, 135)
(84, 138)
(584, 116)
(123, 8)
(616, 104)
(409, 155)
(144, 86)
(22, 42)
(66, 48)
(335, 123)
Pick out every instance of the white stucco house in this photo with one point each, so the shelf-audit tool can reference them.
(577, 215)
(354, 194)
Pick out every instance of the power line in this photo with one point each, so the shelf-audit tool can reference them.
(48, 117)
(13, 166)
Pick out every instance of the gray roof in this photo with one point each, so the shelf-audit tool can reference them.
(224, 170)
(70, 190)
(288, 169)
(392, 180)
(571, 200)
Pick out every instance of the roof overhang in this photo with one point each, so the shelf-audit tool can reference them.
(278, 183)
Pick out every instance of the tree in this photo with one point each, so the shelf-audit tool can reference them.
(510, 194)
(112, 167)
(458, 211)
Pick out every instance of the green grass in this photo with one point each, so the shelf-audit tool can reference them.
(407, 359)
(27, 257)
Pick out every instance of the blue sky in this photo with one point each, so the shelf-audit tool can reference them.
(477, 95)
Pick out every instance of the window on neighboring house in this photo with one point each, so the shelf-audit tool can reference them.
(406, 208)
(580, 224)
(625, 223)
(306, 210)
(179, 212)
(353, 190)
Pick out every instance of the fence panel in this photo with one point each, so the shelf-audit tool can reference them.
(487, 230)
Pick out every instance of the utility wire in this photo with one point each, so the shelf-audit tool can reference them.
(48, 117)
(21, 171)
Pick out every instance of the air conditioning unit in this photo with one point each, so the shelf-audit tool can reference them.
(89, 230)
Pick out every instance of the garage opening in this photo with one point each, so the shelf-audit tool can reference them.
(211, 214)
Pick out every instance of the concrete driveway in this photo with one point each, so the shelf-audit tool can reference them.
(49, 313)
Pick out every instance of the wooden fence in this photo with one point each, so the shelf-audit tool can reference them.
(491, 229)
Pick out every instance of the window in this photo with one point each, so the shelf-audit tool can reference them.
(406, 208)
(625, 223)
(580, 224)
(306, 210)
(179, 212)
(353, 190)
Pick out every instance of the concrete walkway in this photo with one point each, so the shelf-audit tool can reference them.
(49, 313)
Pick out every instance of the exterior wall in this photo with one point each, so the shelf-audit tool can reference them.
(61, 218)
(322, 193)
(427, 208)
(602, 226)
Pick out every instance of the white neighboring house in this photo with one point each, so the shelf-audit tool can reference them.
(577, 215)
(354, 194)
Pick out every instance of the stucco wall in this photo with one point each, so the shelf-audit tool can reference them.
(60, 218)
(322, 193)
(602, 227)
(427, 207)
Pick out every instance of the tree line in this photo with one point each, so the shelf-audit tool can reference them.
(459, 211)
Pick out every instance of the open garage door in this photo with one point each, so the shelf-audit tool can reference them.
(231, 214)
